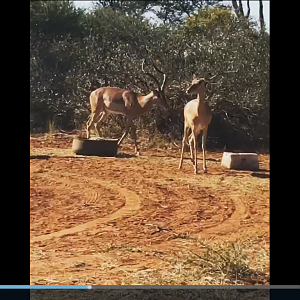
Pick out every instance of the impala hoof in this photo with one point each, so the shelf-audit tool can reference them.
(205, 170)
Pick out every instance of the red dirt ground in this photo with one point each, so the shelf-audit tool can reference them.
(98, 220)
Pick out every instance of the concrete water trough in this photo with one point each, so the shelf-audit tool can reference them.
(240, 161)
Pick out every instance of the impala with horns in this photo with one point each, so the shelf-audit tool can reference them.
(197, 117)
(105, 101)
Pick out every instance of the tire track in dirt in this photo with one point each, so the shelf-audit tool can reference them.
(240, 212)
(227, 225)
(132, 204)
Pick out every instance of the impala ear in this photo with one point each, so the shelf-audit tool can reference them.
(194, 76)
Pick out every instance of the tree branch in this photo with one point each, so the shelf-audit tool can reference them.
(261, 16)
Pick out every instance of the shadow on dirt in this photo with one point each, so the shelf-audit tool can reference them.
(185, 158)
(260, 175)
(263, 170)
(39, 156)
(125, 155)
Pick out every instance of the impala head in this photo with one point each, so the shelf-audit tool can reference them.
(159, 98)
(197, 86)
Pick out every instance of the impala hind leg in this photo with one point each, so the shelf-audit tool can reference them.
(194, 136)
(103, 117)
(204, 134)
(89, 123)
(184, 140)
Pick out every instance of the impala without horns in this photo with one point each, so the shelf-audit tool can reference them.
(197, 117)
(105, 101)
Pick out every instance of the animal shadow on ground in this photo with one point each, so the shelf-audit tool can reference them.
(263, 170)
(260, 175)
(81, 157)
(39, 156)
(185, 158)
(125, 155)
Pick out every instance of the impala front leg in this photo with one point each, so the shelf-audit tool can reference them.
(128, 124)
(191, 144)
(134, 137)
(204, 134)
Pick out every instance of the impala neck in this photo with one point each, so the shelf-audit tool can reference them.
(200, 99)
(145, 101)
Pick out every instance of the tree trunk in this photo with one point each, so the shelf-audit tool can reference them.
(241, 8)
(248, 12)
(236, 8)
(261, 16)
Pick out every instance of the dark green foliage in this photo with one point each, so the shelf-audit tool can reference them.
(73, 52)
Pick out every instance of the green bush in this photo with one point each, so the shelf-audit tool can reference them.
(73, 51)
